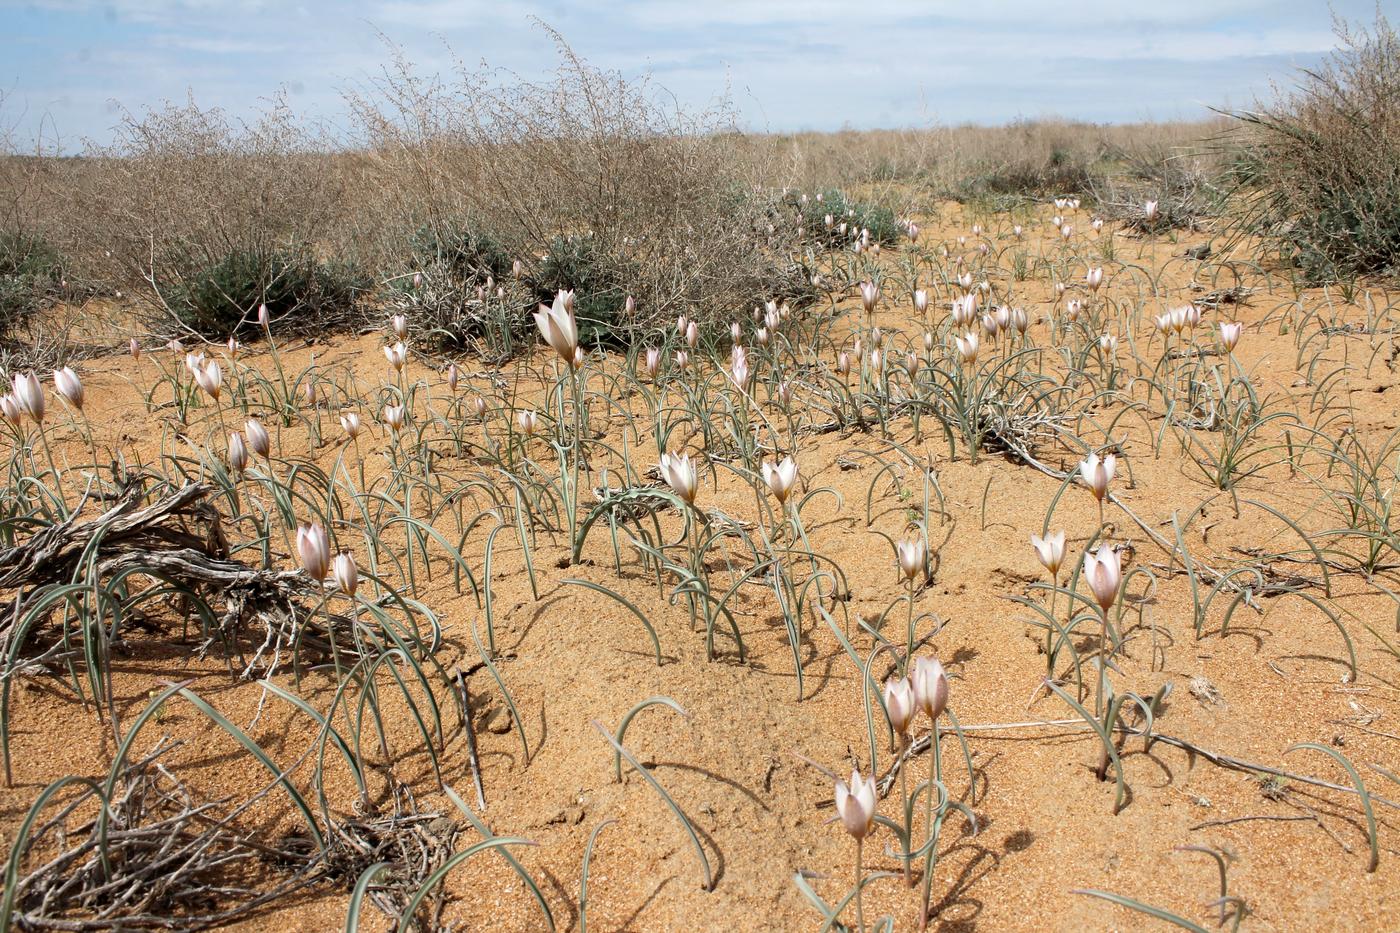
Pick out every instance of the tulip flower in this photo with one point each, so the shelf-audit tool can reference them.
(397, 355)
(1050, 550)
(479, 407)
(912, 555)
(345, 574)
(920, 301)
(395, 416)
(454, 375)
(692, 335)
(528, 421)
(350, 422)
(557, 326)
(930, 682)
(869, 294)
(67, 384)
(314, 550)
(781, 478)
(1230, 335)
(1094, 278)
(237, 453)
(135, 349)
(629, 307)
(739, 367)
(679, 474)
(263, 317)
(258, 440)
(29, 393)
(900, 705)
(9, 407)
(855, 803)
(653, 362)
(1104, 575)
(210, 378)
(682, 359)
(1149, 211)
(1097, 474)
(843, 363)
(967, 346)
(399, 325)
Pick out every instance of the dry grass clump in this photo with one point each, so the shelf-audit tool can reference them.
(585, 179)
(1320, 167)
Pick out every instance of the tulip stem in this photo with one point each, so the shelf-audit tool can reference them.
(860, 895)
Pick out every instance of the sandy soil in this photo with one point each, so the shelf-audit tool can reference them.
(736, 766)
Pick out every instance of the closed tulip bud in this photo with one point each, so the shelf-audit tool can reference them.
(135, 348)
(258, 440)
(237, 453)
(682, 323)
(761, 336)
(399, 325)
(929, 341)
(516, 269)
(210, 378)
(877, 360)
(785, 393)
(679, 474)
(479, 407)
(1020, 320)
(653, 362)
(528, 421)
(1097, 474)
(233, 347)
(397, 355)
(899, 704)
(557, 326)
(781, 478)
(314, 550)
(345, 574)
(1104, 574)
(579, 358)
(417, 280)
(913, 557)
(454, 375)
(843, 363)
(930, 687)
(877, 337)
(1230, 335)
(913, 231)
(855, 804)
(692, 335)
(263, 317)
(629, 307)
(1050, 550)
(67, 384)
(920, 301)
(869, 294)
(29, 392)
(309, 393)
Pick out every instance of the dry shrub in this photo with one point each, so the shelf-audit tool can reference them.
(207, 218)
(1183, 183)
(1320, 166)
(586, 179)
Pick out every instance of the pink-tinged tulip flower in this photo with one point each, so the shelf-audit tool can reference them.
(454, 375)
(682, 359)
(1097, 474)
(417, 280)
(1103, 574)
(1108, 343)
(1163, 323)
(855, 804)
(557, 326)
(1230, 335)
(237, 453)
(193, 361)
(761, 336)
(899, 704)
(692, 335)
(29, 392)
(579, 358)
(920, 301)
(989, 326)
(479, 407)
(929, 341)
(350, 423)
(1050, 550)
(843, 363)
(233, 347)
(1020, 320)
(9, 408)
(345, 574)
(1149, 211)
(736, 333)
(397, 355)
(1094, 278)
(263, 317)
(1097, 224)
(653, 362)
(258, 440)
(399, 325)
(781, 479)
(739, 367)
(314, 550)
(682, 323)
(395, 416)
(1066, 231)
(967, 346)
(67, 384)
(785, 393)
(528, 421)
(629, 307)
(1073, 308)
(912, 554)
(930, 683)
(517, 268)
(869, 294)
(210, 378)
(134, 347)
(679, 474)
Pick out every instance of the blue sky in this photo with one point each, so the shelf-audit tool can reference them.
(68, 66)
